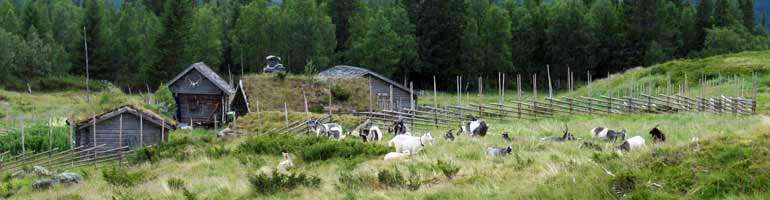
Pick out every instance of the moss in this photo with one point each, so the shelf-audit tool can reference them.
(272, 93)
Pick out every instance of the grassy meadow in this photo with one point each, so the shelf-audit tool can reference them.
(730, 161)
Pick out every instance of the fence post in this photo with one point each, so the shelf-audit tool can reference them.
(141, 130)
(754, 96)
(435, 103)
(518, 86)
(411, 99)
(286, 114)
(534, 100)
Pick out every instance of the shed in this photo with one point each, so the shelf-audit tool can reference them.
(379, 84)
(126, 125)
(201, 96)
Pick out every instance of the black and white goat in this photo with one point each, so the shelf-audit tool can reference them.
(567, 136)
(399, 127)
(449, 136)
(633, 143)
(506, 137)
(611, 135)
(499, 151)
(475, 127)
(331, 130)
(657, 135)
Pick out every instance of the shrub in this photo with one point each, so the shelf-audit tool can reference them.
(311, 148)
(349, 180)
(36, 138)
(217, 151)
(316, 109)
(121, 177)
(8, 189)
(340, 93)
(164, 101)
(271, 184)
(189, 195)
(175, 183)
(64, 82)
(394, 179)
(448, 169)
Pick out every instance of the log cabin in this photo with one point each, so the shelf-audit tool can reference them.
(396, 99)
(125, 126)
(201, 96)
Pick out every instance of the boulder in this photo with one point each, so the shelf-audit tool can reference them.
(228, 133)
(42, 184)
(41, 171)
(68, 178)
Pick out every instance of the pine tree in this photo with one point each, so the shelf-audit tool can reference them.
(702, 22)
(376, 50)
(251, 35)
(11, 43)
(8, 18)
(341, 12)
(726, 13)
(136, 32)
(749, 18)
(36, 14)
(176, 25)
(204, 43)
(495, 34)
(607, 28)
(439, 27)
(100, 42)
(568, 38)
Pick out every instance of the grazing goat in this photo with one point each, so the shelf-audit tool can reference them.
(499, 151)
(373, 134)
(475, 127)
(611, 135)
(657, 135)
(399, 127)
(396, 155)
(412, 144)
(449, 136)
(565, 137)
(591, 145)
(287, 163)
(506, 137)
(331, 130)
(636, 142)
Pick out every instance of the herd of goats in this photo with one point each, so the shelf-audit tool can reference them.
(407, 145)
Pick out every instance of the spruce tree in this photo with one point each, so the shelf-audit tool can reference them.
(702, 22)
(9, 20)
(204, 43)
(176, 25)
(747, 9)
(341, 12)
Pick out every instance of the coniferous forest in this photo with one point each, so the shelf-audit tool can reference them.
(142, 43)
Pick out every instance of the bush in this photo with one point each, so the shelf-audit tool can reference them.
(121, 177)
(316, 109)
(35, 138)
(394, 179)
(311, 148)
(217, 151)
(340, 93)
(271, 184)
(175, 183)
(8, 189)
(448, 169)
(349, 180)
(164, 101)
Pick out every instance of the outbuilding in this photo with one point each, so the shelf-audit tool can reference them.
(389, 94)
(126, 125)
(201, 96)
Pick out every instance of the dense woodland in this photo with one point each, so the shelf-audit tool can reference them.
(146, 42)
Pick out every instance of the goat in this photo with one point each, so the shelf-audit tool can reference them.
(475, 127)
(567, 136)
(499, 151)
(396, 155)
(399, 127)
(636, 142)
(657, 135)
(611, 135)
(449, 136)
(287, 163)
(412, 144)
(591, 145)
(506, 137)
(331, 130)
(373, 134)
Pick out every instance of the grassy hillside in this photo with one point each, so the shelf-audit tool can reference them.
(729, 162)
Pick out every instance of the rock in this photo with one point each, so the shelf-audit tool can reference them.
(41, 171)
(68, 178)
(18, 174)
(42, 184)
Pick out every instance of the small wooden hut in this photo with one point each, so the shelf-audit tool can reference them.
(127, 125)
(395, 99)
(201, 96)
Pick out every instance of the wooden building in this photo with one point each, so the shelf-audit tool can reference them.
(389, 94)
(124, 126)
(201, 96)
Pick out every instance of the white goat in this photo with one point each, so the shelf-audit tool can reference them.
(396, 155)
(636, 142)
(410, 144)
